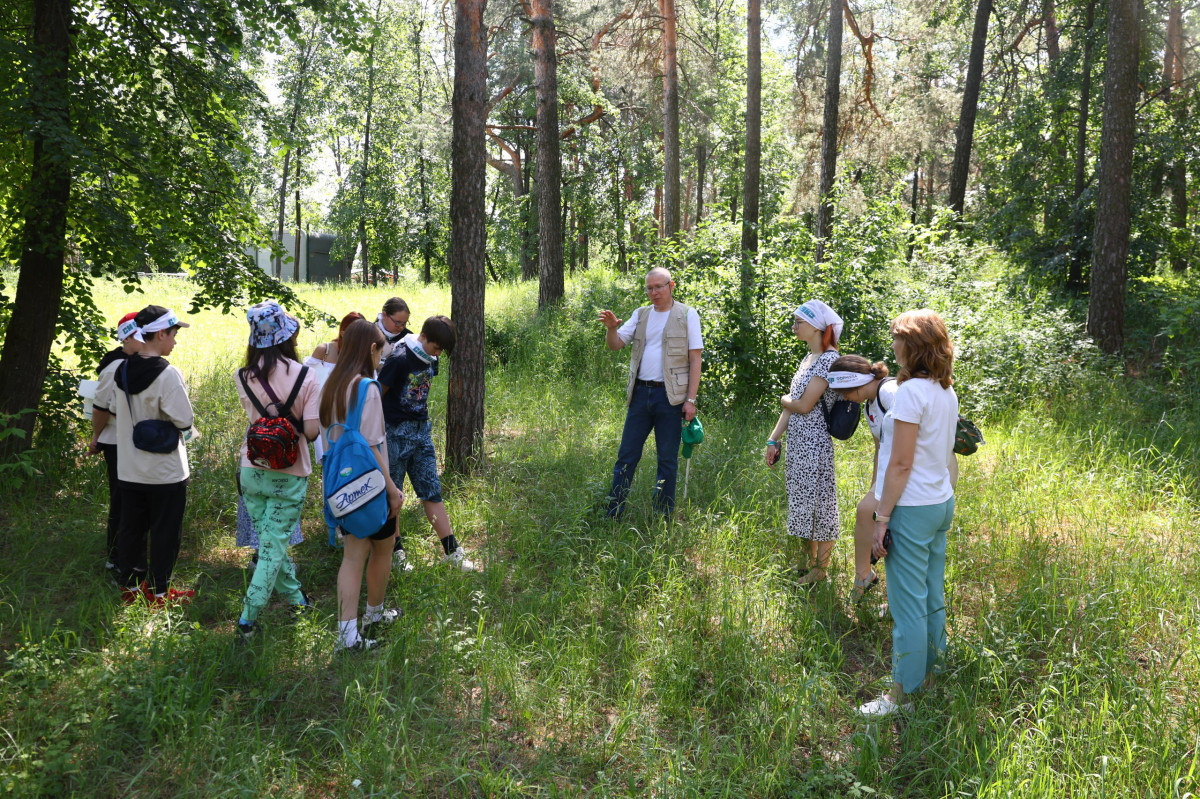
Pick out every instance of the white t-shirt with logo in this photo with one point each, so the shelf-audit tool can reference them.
(934, 410)
(652, 357)
(884, 401)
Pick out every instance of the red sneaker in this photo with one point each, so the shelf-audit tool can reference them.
(131, 595)
(172, 597)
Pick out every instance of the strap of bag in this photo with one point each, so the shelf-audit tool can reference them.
(125, 382)
(253, 399)
(879, 396)
(295, 391)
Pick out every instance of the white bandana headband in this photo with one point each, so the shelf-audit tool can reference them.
(127, 329)
(840, 381)
(820, 316)
(167, 320)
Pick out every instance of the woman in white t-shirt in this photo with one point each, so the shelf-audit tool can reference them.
(858, 380)
(322, 361)
(362, 347)
(915, 501)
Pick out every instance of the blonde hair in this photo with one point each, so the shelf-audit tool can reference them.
(925, 342)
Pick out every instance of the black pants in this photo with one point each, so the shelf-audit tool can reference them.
(154, 512)
(114, 500)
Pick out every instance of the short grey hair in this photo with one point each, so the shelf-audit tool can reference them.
(660, 270)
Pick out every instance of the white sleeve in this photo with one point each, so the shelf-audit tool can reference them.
(626, 331)
(695, 340)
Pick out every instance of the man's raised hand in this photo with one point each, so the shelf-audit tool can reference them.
(609, 319)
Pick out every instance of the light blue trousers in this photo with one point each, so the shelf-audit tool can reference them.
(916, 582)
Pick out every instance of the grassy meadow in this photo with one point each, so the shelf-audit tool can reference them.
(619, 659)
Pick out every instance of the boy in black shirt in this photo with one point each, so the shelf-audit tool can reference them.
(406, 377)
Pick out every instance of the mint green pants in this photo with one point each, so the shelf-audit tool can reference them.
(916, 589)
(274, 502)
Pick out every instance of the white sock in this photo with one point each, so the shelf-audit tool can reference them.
(348, 630)
(373, 613)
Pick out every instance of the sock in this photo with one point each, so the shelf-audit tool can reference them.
(348, 631)
(373, 613)
(449, 543)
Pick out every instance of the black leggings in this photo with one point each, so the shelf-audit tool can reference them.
(114, 501)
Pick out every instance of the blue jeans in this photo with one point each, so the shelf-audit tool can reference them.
(916, 582)
(648, 410)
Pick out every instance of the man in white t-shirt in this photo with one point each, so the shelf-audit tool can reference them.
(664, 376)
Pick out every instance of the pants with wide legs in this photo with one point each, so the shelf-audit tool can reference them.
(916, 583)
(153, 512)
(274, 501)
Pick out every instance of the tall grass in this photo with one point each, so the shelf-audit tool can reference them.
(632, 658)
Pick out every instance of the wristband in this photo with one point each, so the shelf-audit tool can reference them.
(878, 518)
(691, 400)
(771, 443)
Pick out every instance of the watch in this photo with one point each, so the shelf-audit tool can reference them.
(876, 517)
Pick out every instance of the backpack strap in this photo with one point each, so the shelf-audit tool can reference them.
(879, 396)
(125, 382)
(286, 407)
(354, 417)
(253, 399)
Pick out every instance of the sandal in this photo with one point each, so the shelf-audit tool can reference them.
(815, 575)
(861, 587)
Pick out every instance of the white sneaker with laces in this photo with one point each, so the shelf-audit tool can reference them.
(458, 559)
(883, 707)
(383, 617)
(400, 562)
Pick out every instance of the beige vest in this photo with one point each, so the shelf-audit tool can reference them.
(674, 352)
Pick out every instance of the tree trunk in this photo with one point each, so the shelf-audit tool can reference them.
(829, 131)
(753, 163)
(468, 236)
(1106, 303)
(287, 164)
(549, 159)
(29, 335)
(366, 155)
(1178, 177)
(1075, 274)
(965, 132)
(427, 235)
(670, 217)
(916, 184)
(701, 166)
(306, 55)
(529, 246)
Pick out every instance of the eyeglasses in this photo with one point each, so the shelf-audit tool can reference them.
(659, 287)
(395, 321)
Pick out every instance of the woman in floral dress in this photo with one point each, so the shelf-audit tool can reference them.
(811, 487)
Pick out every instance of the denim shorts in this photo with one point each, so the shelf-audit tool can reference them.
(410, 451)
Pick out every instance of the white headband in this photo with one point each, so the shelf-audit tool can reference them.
(842, 380)
(820, 316)
(126, 329)
(163, 322)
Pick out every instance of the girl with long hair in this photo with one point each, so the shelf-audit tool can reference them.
(273, 498)
(362, 347)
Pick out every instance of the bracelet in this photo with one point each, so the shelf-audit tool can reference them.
(691, 400)
(771, 443)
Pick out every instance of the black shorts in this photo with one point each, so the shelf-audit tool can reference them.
(387, 531)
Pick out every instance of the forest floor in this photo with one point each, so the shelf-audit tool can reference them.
(616, 658)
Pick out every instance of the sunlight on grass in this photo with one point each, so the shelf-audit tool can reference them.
(630, 658)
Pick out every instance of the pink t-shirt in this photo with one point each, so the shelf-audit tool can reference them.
(371, 426)
(307, 406)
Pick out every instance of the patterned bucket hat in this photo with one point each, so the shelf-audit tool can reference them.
(270, 325)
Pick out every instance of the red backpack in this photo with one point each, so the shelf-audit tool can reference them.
(272, 442)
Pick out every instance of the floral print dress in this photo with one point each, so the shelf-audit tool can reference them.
(811, 487)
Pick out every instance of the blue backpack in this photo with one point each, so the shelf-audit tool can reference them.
(355, 490)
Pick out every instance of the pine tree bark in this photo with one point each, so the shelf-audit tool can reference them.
(671, 182)
(549, 158)
(829, 129)
(468, 236)
(29, 334)
(1075, 273)
(1106, 301)
(965, 132)
(752, 168)
(1173, 71)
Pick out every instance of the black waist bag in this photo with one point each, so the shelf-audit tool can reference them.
(842, 419)
(150, 435)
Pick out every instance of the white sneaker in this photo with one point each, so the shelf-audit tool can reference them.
(400, 562)
(458, 559)
(383, 618)
(882, 707)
